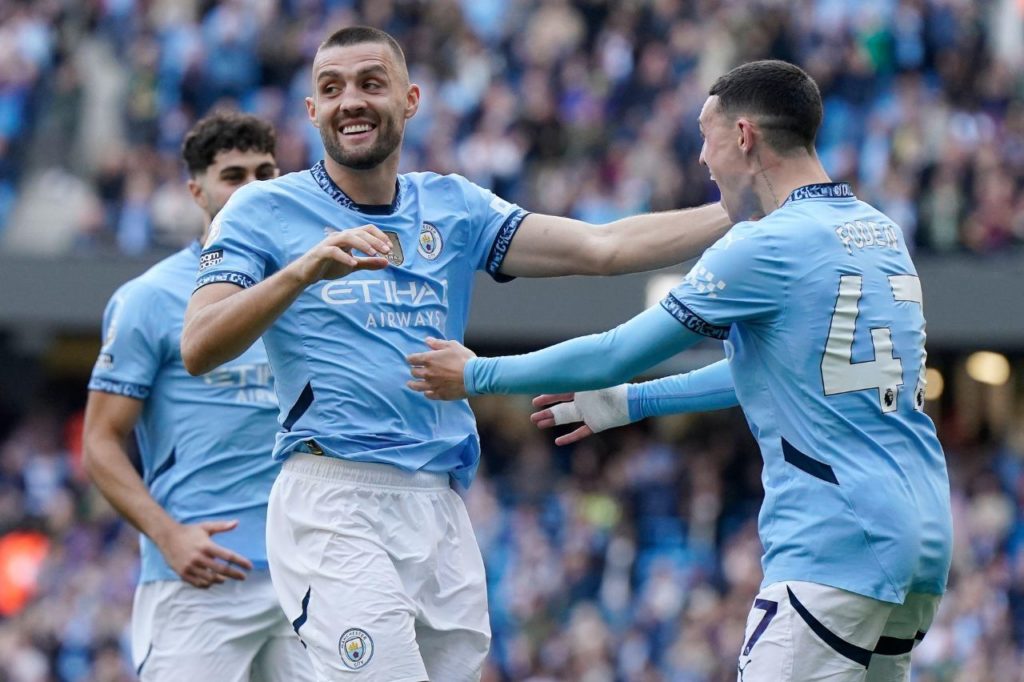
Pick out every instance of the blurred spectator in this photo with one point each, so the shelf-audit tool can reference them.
(584, 107)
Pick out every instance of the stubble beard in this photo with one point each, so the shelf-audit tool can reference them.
(388, 140)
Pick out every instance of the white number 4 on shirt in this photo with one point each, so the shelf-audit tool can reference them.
(840, 374)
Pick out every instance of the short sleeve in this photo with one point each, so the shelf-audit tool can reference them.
(493, 223)
(740, 278)
(132, 346)
(242, 247)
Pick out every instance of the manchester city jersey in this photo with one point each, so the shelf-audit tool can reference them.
(205, 442)
(338, 352)
(820, 308)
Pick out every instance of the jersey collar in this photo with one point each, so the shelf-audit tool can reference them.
(821, 190)
(319, 172)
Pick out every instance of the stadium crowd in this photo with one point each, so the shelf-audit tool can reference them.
(629, 558)
(581, 107)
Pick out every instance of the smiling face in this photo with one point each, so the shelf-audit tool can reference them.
(361, 101)
(727, 153)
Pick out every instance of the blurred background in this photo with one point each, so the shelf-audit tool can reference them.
(632, 557)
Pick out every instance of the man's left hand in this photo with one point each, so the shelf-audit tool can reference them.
(439, 371)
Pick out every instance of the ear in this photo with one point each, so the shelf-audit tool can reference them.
(746, 134)
(196, 190)
(412, 101)
(311, 111)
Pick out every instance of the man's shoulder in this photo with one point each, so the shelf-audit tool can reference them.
(257, 194)
(451, 184)
(168, 279)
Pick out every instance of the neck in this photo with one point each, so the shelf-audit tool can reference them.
(778, 176)
(205, 234)
(372, 186)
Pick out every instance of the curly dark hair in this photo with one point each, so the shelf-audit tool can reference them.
(223, 131)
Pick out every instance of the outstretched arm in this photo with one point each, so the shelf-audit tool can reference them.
(551, 246)
(702, 390)
(451, 371)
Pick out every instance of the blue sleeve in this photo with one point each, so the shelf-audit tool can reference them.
(493, 222)
(133, 346)
(584, 363)
(242, 247)
(744, 276)
(702, 390)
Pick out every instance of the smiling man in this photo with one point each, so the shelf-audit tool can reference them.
(820, 308)
(371, 550)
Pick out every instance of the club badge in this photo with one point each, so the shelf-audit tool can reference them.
(430, 243)
(356, 648)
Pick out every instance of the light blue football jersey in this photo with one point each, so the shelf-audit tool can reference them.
(820, 309)
(338, 352)
(206, 441)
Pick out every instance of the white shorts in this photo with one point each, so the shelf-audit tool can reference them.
(231, 632)
(379, 571)
(805, 632)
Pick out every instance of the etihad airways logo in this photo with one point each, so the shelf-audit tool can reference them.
(349, 291)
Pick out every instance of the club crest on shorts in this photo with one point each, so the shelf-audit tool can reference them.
(356, 648)
(430, 243)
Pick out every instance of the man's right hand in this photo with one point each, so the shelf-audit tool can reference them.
(599, 410)
(190, 551)
(332, 258)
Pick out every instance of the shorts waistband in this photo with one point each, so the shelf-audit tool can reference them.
(366, 473)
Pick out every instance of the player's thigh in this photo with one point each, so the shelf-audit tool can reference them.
(454, 632)
(282, 659)
(906, 626)
(805, 632)
(180, 631)
(338, 586)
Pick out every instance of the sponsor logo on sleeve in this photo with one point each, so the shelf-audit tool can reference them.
(209, 259)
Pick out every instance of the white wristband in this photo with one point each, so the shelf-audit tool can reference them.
(600, 410)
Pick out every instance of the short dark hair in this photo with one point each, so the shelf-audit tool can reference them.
(223, 131)
(357, 35)
(785, 101)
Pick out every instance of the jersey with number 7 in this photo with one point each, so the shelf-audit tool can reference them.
(820, 308)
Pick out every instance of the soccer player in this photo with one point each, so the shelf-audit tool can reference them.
(205, 608)
(371, 550)
(819, 304)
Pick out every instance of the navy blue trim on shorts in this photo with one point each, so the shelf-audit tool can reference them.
(301, 620)
(145, 659)
(502, 242)
(894, 646)
(299, 408)
(808, 464)
(125, 388)
(237, 278)
(695, 323)
(853, 652)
